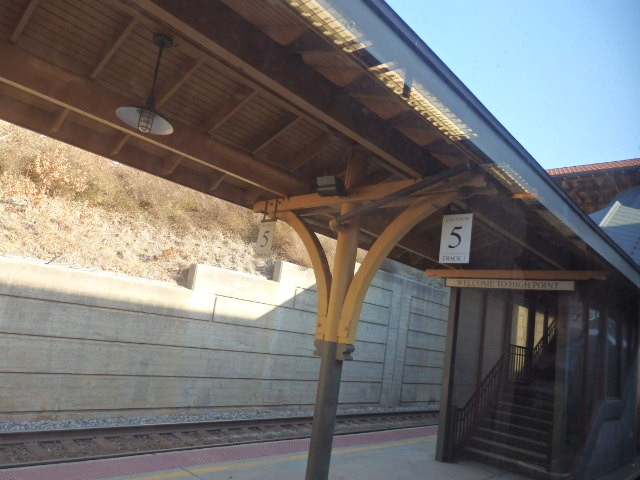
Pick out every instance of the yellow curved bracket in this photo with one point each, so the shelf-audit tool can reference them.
(378, 252)
(318, 260)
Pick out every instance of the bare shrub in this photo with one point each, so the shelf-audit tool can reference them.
(53, 174)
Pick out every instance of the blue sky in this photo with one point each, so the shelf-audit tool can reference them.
(563, 76)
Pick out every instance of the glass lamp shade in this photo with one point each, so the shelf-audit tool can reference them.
(145, 120)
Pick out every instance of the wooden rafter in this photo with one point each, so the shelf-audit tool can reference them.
(504, 231)
(60, 119)
(120, 142)
(179, 77)
(281, 126)
(238, 99)
(37, 77)
(216, 30)
(216, 181)
(24, 19)
(170, 164)
(118, 39)
(309, 151)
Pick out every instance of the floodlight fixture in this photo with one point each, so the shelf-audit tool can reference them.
(330, 186)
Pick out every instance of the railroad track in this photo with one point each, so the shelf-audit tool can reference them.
(28, 448)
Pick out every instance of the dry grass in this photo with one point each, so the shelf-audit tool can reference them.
(64, 205)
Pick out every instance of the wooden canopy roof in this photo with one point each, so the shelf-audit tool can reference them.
(267, 95)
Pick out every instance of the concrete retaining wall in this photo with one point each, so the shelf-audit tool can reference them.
(76, 343)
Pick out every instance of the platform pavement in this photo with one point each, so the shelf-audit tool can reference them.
(400, 455)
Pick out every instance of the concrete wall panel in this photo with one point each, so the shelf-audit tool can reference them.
(84, 344)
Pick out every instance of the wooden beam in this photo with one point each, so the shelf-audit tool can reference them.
(216, 181)
(313, 200)
(118, 39)
(216, 28)
(83, 136)
(170, 164)
(309, 151)
(24, 19)
(237, 100)
(179, 77)
(120, 143)
(283, 34)
(281, 126)
(123, 138)
(516, 239)
(340, 76)
(520, 274)
(35, 76)
(62, 116)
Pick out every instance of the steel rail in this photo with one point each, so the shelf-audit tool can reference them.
(267, 429)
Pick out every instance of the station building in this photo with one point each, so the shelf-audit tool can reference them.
(334, 117)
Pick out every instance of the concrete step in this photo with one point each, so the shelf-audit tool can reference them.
(518, 430)
(519, 441)
(537, 411)
(522, 420)
(506, 463)
(506, 450)
(543, 392)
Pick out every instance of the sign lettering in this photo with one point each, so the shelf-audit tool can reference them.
(510, 284)
(455, 240)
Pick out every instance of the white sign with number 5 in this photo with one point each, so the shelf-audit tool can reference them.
(455, 241)
(265, 238)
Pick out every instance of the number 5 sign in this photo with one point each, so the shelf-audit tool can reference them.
(455, 241)
(265, 238)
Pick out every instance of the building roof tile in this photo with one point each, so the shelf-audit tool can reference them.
(595, 167)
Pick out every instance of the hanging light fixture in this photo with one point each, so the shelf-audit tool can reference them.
(145, 118)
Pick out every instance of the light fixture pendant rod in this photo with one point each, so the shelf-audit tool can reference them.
(162, 41)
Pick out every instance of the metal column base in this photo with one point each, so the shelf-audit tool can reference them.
(324, 415)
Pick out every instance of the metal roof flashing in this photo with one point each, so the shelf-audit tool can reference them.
(490, 137)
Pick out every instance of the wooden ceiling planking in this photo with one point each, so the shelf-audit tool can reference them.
(199, 99)
(138, 54)
(130, 71)
(10, 13)
(276, 130)
(179, 77)
(283, 147)
(80, 36)
(238, 99)
(303, 153)
(110, 49)
(84, 96)
(21, 20)
(217, 29)
(249, 123)
(328, 160)
(331, 161)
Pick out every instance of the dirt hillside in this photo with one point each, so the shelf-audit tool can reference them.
(66, 206)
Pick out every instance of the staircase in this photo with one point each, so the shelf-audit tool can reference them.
(516, 434)
(515, 431)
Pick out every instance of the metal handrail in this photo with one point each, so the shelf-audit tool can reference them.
(545, 341)
(519, 364)
(481, 401)
(516, 366)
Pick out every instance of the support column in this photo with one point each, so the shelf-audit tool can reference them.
(444, 445)
(340, 293)
(331, 353)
